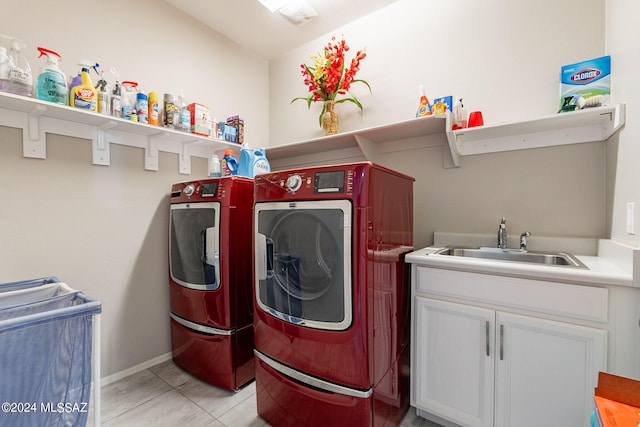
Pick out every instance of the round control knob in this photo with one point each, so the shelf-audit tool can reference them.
(189, 190)
(294, 182)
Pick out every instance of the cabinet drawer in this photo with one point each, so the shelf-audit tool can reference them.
(575, 301)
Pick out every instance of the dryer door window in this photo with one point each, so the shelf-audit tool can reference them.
(303, 273)
(194, 245)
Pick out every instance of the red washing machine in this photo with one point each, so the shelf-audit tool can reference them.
(210, 280)
(331, 309)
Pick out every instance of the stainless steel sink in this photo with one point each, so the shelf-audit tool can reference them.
(560, 259)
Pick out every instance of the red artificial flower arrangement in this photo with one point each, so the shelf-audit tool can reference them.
(328, 77)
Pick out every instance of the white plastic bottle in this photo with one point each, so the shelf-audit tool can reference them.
(185, 114)
(19, 79)
(214, 166)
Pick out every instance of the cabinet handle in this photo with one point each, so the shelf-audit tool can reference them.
(487, 326)
(501, 342)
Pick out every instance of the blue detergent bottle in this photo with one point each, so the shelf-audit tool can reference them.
(252, 162)
(229, 164)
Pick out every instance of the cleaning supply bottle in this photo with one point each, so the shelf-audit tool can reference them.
(153, 108)
(168, 111)
(142, 107)
(51, 84)
(18, 79)
(214, 166)
(185, 114)
(103, 104)
(424, 109)
(84, 95)
(77, 79)
(229, 164)
(459, 115)
(252, 161)
(129, 96)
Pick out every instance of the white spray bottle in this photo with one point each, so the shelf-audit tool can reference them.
(19, 79)
(51, 84)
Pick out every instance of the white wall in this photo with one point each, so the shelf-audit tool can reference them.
(622, 31)
(503, 58)
(103, 229)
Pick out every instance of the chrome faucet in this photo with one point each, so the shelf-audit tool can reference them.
(502, 234)
(523, 240)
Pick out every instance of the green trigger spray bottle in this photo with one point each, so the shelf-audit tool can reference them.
(51, 84)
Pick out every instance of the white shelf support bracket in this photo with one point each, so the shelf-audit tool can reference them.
(100, 144)
(185, 157)
(151, 160)
(368, 148)
(451, 157)
(34, 142)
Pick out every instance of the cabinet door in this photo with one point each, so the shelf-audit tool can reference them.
(453, 361)
(546, 371)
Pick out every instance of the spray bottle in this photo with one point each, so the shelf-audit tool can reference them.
(19, 79)
(115, 104)
(51, 84)
(459, 115)
(129, 95)
(424, 109)
(102, 94)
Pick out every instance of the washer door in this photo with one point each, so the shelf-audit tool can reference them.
(303, 273)
(194, 245)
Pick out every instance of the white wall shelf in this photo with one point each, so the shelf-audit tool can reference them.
(589, 125)
(36, 118)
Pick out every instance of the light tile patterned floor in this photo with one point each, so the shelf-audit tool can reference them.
(166, 396)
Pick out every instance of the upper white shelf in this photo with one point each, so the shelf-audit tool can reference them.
(365, 139)
(37, 118)
(588, 125)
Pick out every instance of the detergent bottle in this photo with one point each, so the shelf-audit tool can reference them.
(51, 84)
(424, 108)
(229, 164)
(77, 79)
(252, 162)
(84, 95)
(18, 78)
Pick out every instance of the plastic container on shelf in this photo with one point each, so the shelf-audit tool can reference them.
(129, 94)
(153, 108)
(142, 107)
(229, 164)
(168, 112)
(51, 84)
(15, 73)
(214, 166)
(84, 95)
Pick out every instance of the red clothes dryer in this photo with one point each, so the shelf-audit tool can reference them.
(332, 295)
(210, 279)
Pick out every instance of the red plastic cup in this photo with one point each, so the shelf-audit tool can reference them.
(475, 119)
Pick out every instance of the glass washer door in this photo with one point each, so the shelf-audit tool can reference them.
(303, 268)
(194, 245)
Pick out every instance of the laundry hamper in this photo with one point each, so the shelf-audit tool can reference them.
(46, 338)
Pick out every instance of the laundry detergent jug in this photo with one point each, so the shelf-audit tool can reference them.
(252, 162)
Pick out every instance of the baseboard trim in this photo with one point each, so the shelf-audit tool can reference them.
(134, 369)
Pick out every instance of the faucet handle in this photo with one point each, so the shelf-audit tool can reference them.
(523, 240)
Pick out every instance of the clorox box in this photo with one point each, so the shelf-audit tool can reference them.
(585, 84)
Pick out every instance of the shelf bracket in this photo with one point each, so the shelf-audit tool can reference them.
(451, 158)
(151, 160)
(100, 145)
(34, 143)
(368, 148)
(184, 159)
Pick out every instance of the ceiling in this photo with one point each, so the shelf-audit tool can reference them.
(254, 27)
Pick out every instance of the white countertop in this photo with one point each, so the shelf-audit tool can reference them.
(602, 270)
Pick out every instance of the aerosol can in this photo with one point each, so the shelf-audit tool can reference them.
(51, 84)
(15, 72)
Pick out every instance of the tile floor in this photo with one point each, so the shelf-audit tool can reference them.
(166, 396)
